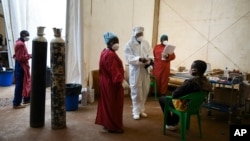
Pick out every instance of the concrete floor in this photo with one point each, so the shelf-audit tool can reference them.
(14, 124)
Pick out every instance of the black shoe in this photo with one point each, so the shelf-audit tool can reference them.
(26, 103)
(18, 106)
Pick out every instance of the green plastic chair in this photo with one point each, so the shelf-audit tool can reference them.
(195, 101)
(153, 84)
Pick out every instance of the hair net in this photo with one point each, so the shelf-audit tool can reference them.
(200, 65)
(164, 37)
(108, 36)
(24, 33)
(137, 29)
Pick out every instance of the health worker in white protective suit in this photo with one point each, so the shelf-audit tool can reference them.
(138, 54)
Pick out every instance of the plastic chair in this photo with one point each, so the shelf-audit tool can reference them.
(195, 101)
(153, 84)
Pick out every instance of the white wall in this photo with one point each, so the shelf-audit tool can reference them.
(216, 31)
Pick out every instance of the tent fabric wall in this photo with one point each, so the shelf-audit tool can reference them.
(118, 16)
(215, 31)
(211, 30)
(74, 42)
(14, 12)
(19, 16)
(22, 17)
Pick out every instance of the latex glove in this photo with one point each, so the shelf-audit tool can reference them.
(143, 60)
(164, 56)
(149, 61)
(125, 84)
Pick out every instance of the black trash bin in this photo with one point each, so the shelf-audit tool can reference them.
(48, 77)
(72, 93)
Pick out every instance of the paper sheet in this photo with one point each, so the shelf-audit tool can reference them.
(169, 49)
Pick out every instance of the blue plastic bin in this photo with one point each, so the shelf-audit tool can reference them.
(71, 102)
(6, 77)
(72, 93)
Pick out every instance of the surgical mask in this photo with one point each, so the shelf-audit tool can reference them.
(193, 71)
(165, 43)
(26, 38)
(139, 38)
(115, 47)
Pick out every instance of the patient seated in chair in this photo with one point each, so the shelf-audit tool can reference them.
(197, 83)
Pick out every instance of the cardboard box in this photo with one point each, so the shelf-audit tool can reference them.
(223, 95)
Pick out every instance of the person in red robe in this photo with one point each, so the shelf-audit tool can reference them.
(111, 79)
(22, 72)
(161, 69)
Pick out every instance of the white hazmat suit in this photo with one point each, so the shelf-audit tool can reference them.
(139, 78)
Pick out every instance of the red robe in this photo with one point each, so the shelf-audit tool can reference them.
(22, 56)
(161, 69)
(111, 97)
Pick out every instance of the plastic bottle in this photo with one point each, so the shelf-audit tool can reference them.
(226, 73)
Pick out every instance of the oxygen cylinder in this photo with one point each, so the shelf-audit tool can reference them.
(38, 79)
(58, 90)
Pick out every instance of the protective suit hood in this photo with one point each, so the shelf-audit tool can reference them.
(137, 29)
